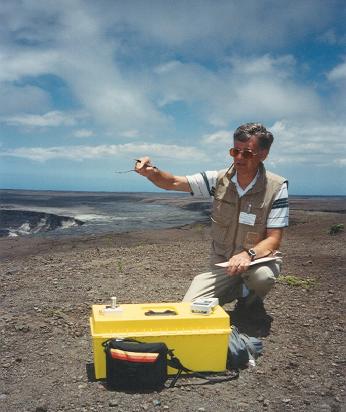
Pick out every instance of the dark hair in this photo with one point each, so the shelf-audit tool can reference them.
(248, 130)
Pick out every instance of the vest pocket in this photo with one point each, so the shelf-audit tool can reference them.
(218, 231)
(224, 219)
(223, 212)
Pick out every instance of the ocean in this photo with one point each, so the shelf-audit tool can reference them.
(56, 214)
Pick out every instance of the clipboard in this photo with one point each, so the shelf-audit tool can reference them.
(255, 262)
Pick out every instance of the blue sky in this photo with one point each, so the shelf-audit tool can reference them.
(88, 86)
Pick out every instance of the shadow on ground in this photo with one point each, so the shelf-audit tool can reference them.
(258, 328)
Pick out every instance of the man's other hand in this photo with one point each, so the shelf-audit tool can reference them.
(238, 263)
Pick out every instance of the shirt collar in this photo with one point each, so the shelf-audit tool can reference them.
(242, 192)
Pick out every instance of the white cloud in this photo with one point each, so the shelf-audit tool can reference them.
(175, 81)
(257, 88)
(133, 133)
(264, 65)
(331, 37)
(167, 67)
(247, 24)
(222, 136)
(79, 51)
(80, 43)
(321, 143)
(92, 72)
(21, 62)
(77, 153)
(81, 133)
(50, 119)
(22, 99)
(265, 98)
(340, 162)
(338, 73)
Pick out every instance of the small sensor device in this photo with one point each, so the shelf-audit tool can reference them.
(113, 308)
(204, 305)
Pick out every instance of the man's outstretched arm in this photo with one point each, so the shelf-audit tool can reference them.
(160, 178)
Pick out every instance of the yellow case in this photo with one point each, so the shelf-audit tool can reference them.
(199, 341)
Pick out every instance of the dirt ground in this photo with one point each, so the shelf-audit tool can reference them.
(47, 288)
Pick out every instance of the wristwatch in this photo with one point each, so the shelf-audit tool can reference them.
(252, 254)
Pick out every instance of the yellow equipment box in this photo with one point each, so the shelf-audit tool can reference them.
(200, 341)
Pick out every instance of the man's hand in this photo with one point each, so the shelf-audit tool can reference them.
(160, 178)
(144, 167)
(238, 263)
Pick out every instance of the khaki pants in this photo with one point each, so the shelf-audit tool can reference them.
(217, 283)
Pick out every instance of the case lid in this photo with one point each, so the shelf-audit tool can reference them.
(149, 319)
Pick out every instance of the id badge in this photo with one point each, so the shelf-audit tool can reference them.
(247, 218)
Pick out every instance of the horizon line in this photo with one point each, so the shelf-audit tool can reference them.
(146, 191)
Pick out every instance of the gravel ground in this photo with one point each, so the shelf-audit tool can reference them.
(48, 287)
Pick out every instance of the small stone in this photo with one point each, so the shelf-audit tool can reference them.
(22, 328)
(308, 262)
(42, 408)
(325, 408)
(156, 402)
(101, 386)
(266, 402)
(2, 396)
(201, 409)
(260, 398)
(286, 400)
(113, 403)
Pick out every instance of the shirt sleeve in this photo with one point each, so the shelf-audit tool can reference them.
(278, 216)
(202, 183)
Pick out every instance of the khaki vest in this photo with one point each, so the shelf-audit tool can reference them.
(229, 236)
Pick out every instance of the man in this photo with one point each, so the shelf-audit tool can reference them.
(250, 210)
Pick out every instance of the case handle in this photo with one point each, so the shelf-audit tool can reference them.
(167, 312)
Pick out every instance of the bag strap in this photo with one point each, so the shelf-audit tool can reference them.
(107, 342)
(175, 363)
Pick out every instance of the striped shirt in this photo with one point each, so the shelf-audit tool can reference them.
(203, 184)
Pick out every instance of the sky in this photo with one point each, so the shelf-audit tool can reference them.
(86, 87)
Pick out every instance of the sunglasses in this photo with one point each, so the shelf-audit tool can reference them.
(246, 153)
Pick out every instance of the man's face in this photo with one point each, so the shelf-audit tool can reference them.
(250, 165)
